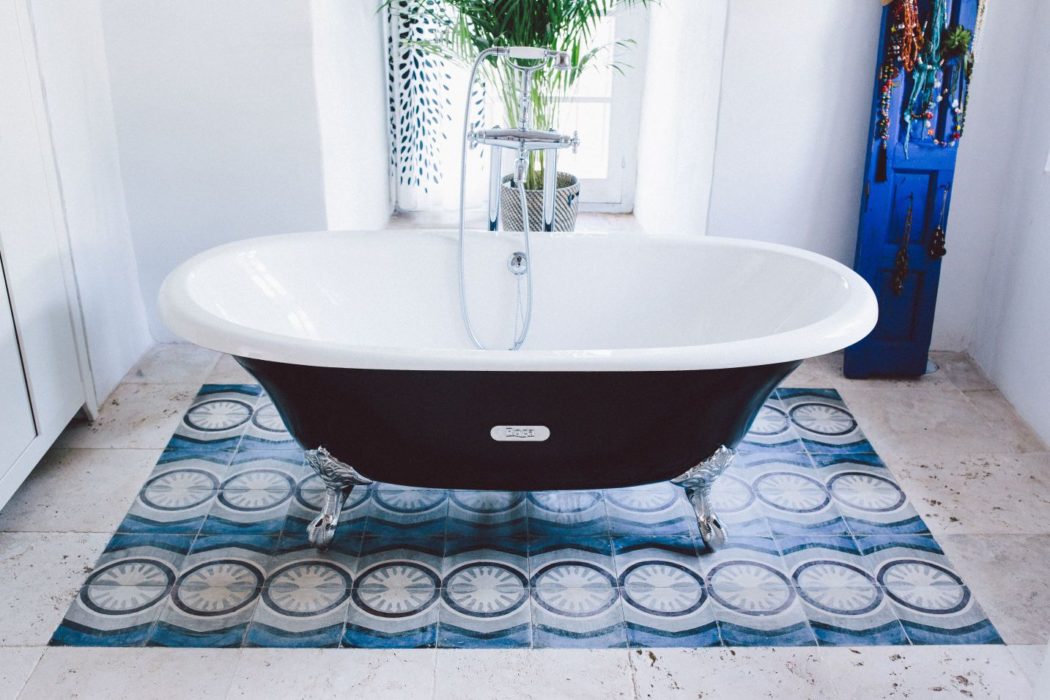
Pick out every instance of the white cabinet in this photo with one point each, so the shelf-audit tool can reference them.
(43, 363)
(16, 413)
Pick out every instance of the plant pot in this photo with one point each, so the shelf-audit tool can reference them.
(566, 205)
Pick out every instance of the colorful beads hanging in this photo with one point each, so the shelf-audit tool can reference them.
(903, 43)
(957, 52)
(925, 80)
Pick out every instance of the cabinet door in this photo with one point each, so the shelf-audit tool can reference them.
(16, 414)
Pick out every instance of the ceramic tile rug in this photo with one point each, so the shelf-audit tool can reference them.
(824, 549)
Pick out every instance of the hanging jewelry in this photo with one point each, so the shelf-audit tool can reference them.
(924, 78)
(911, 40)
(957, 52)
(937, 240)
(900, 265)
(888, 75)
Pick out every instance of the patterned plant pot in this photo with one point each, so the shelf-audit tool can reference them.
(566, 205)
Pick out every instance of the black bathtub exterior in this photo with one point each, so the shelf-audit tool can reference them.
(430, 428)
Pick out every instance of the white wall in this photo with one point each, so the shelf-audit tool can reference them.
(793, 125)
(73, 66)
(217, 123)
(676, 147)
(350, 76)
(1013, 326)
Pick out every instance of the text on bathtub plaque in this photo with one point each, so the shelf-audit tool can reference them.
(520, 433)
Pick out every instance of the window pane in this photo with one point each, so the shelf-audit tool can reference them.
(597, 80)
(591, 120)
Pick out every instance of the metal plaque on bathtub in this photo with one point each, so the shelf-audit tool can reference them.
(520, 433)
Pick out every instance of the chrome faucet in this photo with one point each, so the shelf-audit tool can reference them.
(522, 138)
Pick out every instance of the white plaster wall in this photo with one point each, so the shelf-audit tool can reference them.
(676, 145)
(73, 67)
(793, 125)
(983, 168)
(217, 124)
(349, 57)
(1013, 326)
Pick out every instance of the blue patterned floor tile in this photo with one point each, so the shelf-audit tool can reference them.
(304, 600)
(823, 548)
(485, 599)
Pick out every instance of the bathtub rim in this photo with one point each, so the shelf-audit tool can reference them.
(851, 322)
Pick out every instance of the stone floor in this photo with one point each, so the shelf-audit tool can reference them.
(978, 475)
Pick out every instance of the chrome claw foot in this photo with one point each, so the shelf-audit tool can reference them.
(339, 480)
(697, 483)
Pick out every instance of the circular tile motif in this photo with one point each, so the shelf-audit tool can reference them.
(731, 495)
(310, 493)
(305, 589)
(217, 587)
(837, 587)
(769, 421)
(256, 489)
(644, 499)
(179, 489)
(823, 419)
(662, 588)
(405, 500)
(574, 589)
(750, 587)
(127, 586)
(866, 491)
(792, 492)
(396, 589)
(565, 501)
(924, 586)
(487, 502)
(485, 589)
(217, 415)
(267, 418)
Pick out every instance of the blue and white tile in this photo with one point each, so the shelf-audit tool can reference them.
(487, 515)
(823, 421)
(664, 595)
(266, 429)
(772, 429)
(843, 602)
(733, 499)
(304, 600)
(177, 496)
(253, 499)
(395, 510)
(306, 504)
(485, 597)
(124, 595)
(871, 500)
(215, 595)
(796, 502)
(219, 415)
(752, 596)
(395, 599)
(659, 509)
(931, 600)
(579, 514)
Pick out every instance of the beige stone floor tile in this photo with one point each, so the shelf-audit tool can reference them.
(41, 574)
(963, 372)
(1005, 422)
(1010, 577)
(134, 416)
(1032, 660)
(799, 672)
(814, 373)
(16, 663)
(981, 494)
(322, 673)
(833, 365)
(965, 672)
(581, 674)
(227, 371)
(143, 674)
(173, 363)
(922, 421)
(78, 490)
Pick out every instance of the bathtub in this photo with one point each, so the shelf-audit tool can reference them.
(647, 358)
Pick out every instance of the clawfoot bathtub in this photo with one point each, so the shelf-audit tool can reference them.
(647, 359)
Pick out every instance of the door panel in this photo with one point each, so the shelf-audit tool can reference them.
(16, 414)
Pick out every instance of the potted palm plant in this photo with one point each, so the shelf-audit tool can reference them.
(471, 26)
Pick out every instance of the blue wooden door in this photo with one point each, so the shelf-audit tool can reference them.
(904, 206)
